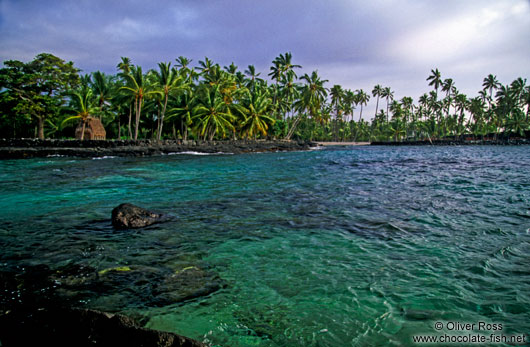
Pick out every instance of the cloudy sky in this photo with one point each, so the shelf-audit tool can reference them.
(354, 43)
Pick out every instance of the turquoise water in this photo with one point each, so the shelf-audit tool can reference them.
(355, 246)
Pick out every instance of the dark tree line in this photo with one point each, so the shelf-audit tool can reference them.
(48, 97)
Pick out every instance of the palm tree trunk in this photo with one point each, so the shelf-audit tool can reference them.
(40, 128)
(130, 117)
(387, 109)
(376, 107)
(162, 118)
(83, 131)
(119, 128)
(358, 124)
(293, 127)
(138, 111)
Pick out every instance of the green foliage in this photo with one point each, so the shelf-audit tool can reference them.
(47, 97)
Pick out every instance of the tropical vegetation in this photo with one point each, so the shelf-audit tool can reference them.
(48, 97)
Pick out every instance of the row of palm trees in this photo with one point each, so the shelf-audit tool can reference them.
(498, 109)
(209, 102)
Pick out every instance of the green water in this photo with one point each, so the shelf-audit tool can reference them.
(352, 246)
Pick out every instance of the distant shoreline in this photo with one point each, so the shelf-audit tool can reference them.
(447, 142)
(34, 148)
(330, 143)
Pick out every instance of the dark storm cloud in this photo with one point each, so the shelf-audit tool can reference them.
(353, 43)
(244, 31)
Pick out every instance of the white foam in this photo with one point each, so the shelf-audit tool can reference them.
(104, 157)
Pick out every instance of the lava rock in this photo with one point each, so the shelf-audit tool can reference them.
(80, 327)
(128, 216)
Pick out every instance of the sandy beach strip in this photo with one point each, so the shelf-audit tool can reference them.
(343, 143)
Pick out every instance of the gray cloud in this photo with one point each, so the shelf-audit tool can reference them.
(353, 43)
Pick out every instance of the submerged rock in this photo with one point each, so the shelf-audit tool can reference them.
(128, 216)
(113, 289)
(80, 327)
(188, 283)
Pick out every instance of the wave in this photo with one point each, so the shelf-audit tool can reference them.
(104, 157)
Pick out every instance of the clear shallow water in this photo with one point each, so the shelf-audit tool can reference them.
(337, 247)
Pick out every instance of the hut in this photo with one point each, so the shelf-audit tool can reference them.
(94, 130)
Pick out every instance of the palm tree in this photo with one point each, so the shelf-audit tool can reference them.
(389, 95)
(167, 81)
(184, 111)
(517, 122)
(231, 69)
(361, 99)
(121, 104)
(212, 113)
(476, 108)
(435, 80)
(490, 83)
(205, 66)
(102, 86)
(288, 93)
(183, 63)
(448, 87)
(124, 65)
(254, 108)
(251, 73)
(282, 64)
(397, 127)
(104, 91)
(337, 96)
(137, 86)
(461, 104)
(517, 91)
(82, 103)
(526, 101)
(312, 96)
(376, 92)
(504, 107)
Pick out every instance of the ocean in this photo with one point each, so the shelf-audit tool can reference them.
(343, 246)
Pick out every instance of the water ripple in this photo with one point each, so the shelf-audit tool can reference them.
(351, 246)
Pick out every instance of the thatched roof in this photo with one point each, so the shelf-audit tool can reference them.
(93, 128)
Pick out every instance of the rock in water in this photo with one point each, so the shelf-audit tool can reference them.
(127, 216)
(80, 327)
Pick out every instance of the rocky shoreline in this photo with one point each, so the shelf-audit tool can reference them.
(33, 148)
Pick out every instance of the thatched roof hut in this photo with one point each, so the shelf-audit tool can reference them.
(94, 130)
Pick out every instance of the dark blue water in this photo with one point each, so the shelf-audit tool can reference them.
(351, 246)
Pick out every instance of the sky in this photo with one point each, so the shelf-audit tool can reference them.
(354, 43)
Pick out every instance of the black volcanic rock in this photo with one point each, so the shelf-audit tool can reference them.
(55, 326)
(129, 216)
(33, 148)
